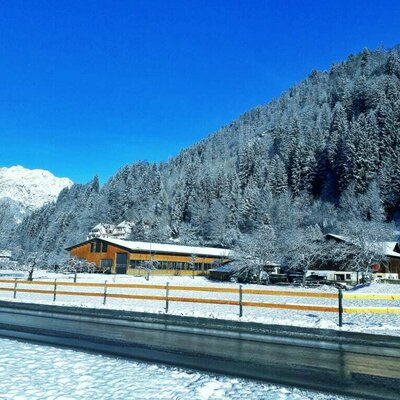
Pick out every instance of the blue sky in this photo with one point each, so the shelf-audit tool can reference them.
(89, 86)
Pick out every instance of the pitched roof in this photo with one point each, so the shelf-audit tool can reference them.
(125, 224)
(388, 248)
(5, 253)
(163, 247)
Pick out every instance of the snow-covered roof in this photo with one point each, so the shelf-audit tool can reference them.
(387, 247)
(5, 253)
(170, 248)
(102, 227)
(166, 248)
(224, 268)
(125, 224)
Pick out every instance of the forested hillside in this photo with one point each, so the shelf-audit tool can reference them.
(324, 153)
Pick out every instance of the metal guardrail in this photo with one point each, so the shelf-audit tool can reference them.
(166, 297)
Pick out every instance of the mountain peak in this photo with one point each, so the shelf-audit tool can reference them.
(31, 188)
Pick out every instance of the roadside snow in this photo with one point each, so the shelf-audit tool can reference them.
(34, 372)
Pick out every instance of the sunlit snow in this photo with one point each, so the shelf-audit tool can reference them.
(32, 188)
(32, 372)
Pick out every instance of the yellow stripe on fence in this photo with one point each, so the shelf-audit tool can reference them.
(204, 289)
(304, 307)
(372, 310)
(351, 296)
(290, 293)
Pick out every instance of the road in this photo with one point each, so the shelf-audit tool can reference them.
(354, 364)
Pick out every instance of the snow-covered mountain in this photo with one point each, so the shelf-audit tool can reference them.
(30, 188)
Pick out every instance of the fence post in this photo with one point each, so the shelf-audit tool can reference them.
(166, 297)
(55, 290)
(240, 301)
(340, 297)
(15, 288)
(105, 293)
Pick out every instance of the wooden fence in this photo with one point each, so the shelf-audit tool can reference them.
(54, 290)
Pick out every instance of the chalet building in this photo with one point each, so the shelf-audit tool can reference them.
(127, 257)
(100, 230)
(120, 231)
(390, 249)
(5, 255)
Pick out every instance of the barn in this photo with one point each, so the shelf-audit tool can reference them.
(390, 249)
(129, 257)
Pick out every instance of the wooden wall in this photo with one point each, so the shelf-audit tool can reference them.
(84, 253)
(394, 266)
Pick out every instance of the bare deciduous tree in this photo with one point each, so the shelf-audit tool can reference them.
(27, 262)
(304, 249)
(253, 254)
(76, 265)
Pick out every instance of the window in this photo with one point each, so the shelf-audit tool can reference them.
(104, 247)
(348, 276)
(106, 263)
(134, 263)
(91, 247)
(98, 246)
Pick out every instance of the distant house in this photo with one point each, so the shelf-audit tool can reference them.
(390, 249)
(120, 231)
(100, 230)
(5, 255)
(128, 257)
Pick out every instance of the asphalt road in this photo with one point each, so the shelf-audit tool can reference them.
(367, 366)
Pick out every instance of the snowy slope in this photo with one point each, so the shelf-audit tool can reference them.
(31, 189)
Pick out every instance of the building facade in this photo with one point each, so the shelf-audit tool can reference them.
(128, 257)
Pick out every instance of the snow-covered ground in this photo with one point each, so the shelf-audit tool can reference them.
(34, 372)
(369, 323)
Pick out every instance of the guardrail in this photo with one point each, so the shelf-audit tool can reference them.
(167, 298)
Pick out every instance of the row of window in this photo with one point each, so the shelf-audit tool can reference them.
(98, 247)
(108, 263)
(170, 265)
